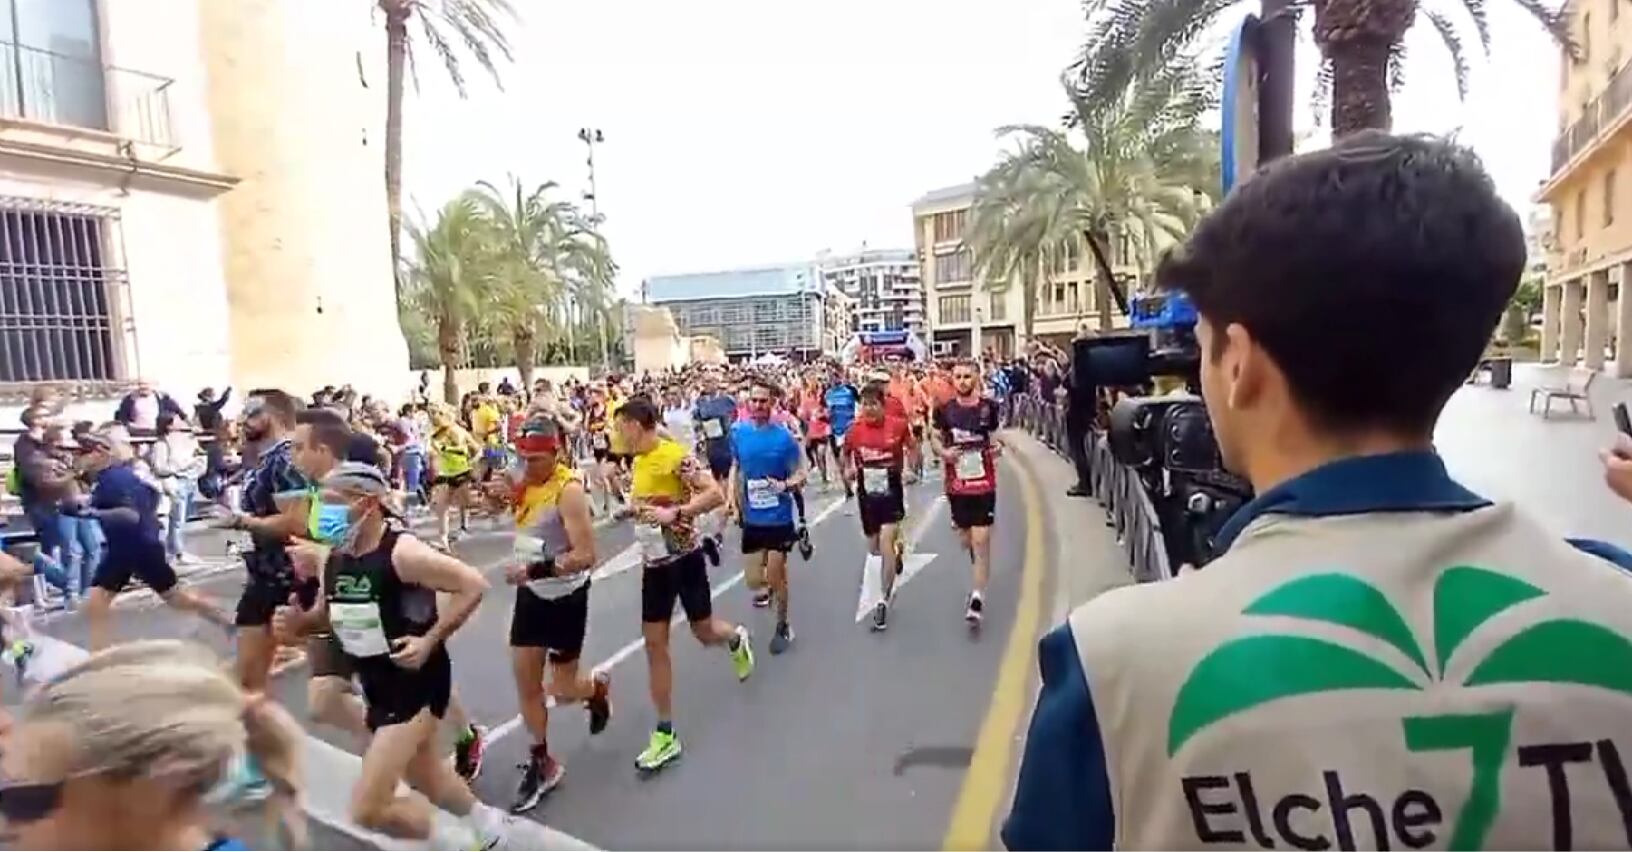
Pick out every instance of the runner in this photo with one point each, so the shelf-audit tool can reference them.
(126, 504)
(275, 509)
(451, 451)
(818, 431)
(597, 423)
(713, 413)
(875, 448)
(554, 555)
(908, 403)
(670, 490)
(840, 401)
(380, 588)
(768, 471)
(487, 427)
(617, 450)
(964, 439)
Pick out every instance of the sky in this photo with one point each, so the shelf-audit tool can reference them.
(743, 132)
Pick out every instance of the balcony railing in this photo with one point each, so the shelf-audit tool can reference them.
(1601, 112)
(72, 91)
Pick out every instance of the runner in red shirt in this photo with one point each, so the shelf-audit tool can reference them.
(813, 413)
(875, 448)
(964, 439)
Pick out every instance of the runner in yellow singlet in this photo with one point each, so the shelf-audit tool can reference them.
(617, 450)
(453, 451)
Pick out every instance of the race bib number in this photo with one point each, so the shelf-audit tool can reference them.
(713, 429)
(600, 441)
(653, 545)
(528, 549)
(761, 495)
(875, 480)
(358, 627)
(971, 465)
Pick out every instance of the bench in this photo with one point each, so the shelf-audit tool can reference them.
(1576, 387)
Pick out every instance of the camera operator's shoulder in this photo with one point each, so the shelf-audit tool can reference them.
(1612, 553)
(1133, 625)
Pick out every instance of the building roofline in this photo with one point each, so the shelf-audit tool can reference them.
(947, 193)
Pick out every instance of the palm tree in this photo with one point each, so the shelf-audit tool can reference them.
(1141, 177)
(1360, 41)
(450, 278)
(527, 287)
(474, 25)
(1243, 674)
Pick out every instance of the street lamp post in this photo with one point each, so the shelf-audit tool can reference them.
(590, 136)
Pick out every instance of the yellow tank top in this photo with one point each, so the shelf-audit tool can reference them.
(532, 501)
(659, 479)
(614, 438)
(452, 456)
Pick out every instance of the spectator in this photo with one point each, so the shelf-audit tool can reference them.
(139, 410)
(505, 388)
(207, 411)
(41, 486)
(177, 464)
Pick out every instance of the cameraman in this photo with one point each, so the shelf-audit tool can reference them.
(1380, 658)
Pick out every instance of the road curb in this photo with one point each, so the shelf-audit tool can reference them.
(991, 767)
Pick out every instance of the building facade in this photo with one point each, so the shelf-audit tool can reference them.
(969, 314)
(1590, 193)
(884, 288)
(781, 310)
(184, 198)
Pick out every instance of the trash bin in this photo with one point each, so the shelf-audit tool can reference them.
(1501, 373)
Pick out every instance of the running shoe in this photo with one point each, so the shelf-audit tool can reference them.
(467, 752)
(20, 652)
(806, 549)
(600, 704)
(782, 639)
(661, 750)
(742, 653)
(881, 616)
(762, 598)
(242, 783)
(711, 550)
(540, 774)
(496, 839)
(975, 610)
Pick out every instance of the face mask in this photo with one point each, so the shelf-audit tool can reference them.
(335, 526)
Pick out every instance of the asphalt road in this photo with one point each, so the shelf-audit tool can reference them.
(851, 739)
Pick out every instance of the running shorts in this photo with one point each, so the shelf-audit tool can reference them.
(720, 467)
(757, 539)
(877, 511)
(683, 578)
(395, 695)
(262, 594)
(557, 624)
(146, 562)
(972, 510)
(328, 659)
(458, 480)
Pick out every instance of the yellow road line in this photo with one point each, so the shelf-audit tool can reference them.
(987, 781)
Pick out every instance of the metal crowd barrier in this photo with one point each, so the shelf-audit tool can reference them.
(1116, 487)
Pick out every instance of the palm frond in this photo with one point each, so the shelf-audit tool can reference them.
(1453, 46)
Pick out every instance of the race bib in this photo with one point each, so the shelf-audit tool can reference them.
(653, 545)
(761, 495)
(358, 627)
(600, 441)
(528, 549)
(971, 465)
(713, 429)
(875, 480)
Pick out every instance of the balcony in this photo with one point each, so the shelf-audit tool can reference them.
(1602, 113)
(62, 91)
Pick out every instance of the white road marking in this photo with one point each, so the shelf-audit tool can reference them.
(629, 650)
(871, 593)
(620, 562)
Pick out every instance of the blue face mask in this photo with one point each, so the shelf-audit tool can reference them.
(333, 525)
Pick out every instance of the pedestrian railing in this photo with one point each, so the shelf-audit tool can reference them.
(1117, 487)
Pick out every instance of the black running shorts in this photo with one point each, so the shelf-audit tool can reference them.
(758, 539)
(262, 594)
(877, 511)
(972, 510)
(458, 480)
(395, 695)
(684, 578)
(557, 624)
(146, 561)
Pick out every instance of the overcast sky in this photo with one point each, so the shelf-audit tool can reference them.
(741, 132)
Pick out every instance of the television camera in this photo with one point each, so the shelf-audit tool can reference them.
(1167, 441)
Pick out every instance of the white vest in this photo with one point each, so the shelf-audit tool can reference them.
(1400, 681)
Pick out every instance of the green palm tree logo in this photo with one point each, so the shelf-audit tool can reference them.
(1244, 673)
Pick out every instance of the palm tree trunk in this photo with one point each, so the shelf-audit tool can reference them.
(1359, 85)
(447, 346)
(523, 342)
(1028, 297)
(1104, 280)
(396, 58)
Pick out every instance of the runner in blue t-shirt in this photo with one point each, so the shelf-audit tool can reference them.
(768, 465)
(841, 399)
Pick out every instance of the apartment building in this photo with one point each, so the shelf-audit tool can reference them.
(185, 197)
(1590, 193)
(782, 310)
(968, 314)
(884, 287)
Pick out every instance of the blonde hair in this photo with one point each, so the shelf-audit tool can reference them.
(164, 709)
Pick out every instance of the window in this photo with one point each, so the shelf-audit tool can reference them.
(1609, 198)
(954, 309)
(997, 306)
(51, 64)
(954, 267)
(56, 314)
(948, 226)
(1065, 257)
(1581, 213)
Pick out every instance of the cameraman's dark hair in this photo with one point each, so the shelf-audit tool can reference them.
(280, 405)
(639, 409)
(1373, 272)
(329, 430)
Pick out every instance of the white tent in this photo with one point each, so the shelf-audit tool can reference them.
(769, 359)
